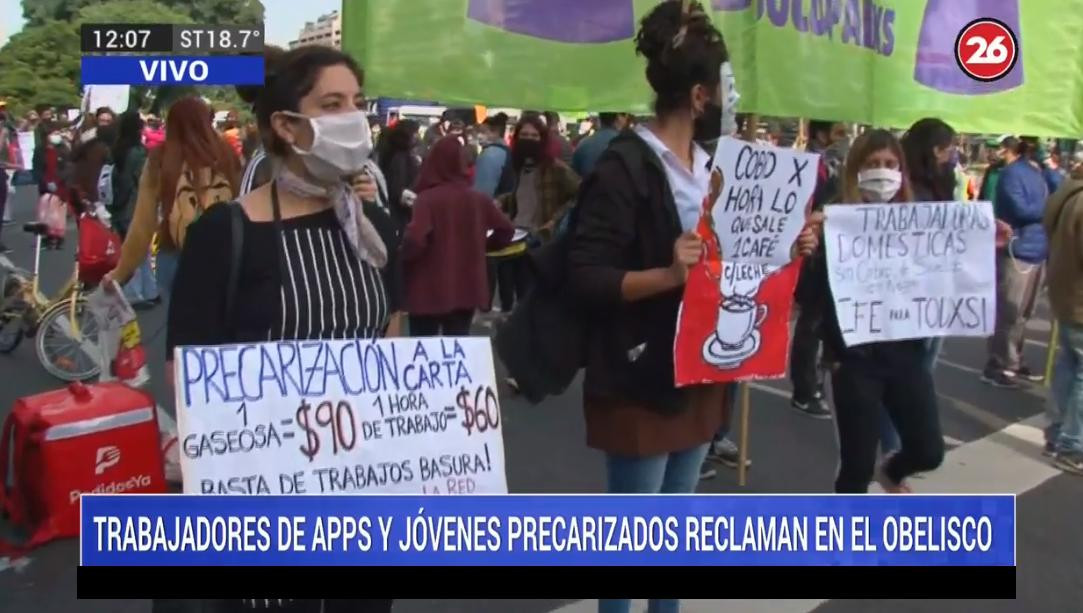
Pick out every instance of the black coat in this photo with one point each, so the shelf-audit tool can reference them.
(625, 220)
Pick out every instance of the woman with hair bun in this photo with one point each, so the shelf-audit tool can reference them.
(632, 243)
(314, 262)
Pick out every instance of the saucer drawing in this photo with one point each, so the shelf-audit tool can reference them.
(725, 358)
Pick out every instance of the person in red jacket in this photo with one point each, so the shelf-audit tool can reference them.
(444, 245)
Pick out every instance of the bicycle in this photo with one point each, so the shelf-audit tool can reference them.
(66, 332)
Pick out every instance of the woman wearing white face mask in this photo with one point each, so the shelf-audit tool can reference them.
(867, 379)
(315, 262)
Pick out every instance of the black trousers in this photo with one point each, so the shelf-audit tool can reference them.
(456, 323)
(862, 388)
(511, 277)
(805, 370)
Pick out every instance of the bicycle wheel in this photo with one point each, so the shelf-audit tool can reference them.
(11, 315)
(65, 354)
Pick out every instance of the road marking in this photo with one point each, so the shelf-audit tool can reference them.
(1008, 461)
(987, 418)
(767, 389)
(958, 366)
(951, 441)
(1042, 344)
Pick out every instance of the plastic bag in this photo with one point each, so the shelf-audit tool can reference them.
(122, 357)
(120, 342)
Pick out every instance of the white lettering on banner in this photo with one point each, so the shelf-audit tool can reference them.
(405, 416)
(904, 271)
(765, 194)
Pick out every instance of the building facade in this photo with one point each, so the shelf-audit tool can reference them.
(327, 31)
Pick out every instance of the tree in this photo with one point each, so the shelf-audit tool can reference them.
(39, 12)
(223, 12)
(40, 65)
(204, 12)
(131, 11)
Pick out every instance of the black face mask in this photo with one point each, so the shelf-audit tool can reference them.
(708, 126)
(528, 150)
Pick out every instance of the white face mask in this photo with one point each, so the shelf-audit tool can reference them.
(730, 98)
(341, 144)
(879, 184)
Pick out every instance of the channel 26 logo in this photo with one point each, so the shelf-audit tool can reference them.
(986, 49)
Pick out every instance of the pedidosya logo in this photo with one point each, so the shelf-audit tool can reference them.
(986, 49)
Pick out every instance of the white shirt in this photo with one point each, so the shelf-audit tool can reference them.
(689, 187)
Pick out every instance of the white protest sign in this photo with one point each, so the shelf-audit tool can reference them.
(764, 197)
(904, 271)
(115, 97)
(403, 416)
(26, 149)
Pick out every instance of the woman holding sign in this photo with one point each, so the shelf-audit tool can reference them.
(868, 378)
(299, 258)
(631, 246)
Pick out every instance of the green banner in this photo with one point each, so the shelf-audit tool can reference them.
(880, 62)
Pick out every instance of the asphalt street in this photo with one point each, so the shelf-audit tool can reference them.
(993, 438)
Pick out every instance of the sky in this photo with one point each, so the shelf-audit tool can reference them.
(284, 18)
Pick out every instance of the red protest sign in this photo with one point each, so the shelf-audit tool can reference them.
(734, 320)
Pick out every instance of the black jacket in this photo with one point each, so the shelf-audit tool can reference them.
(401, 172)
(625, 220)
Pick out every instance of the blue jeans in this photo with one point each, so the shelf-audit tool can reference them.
(889, 437)
(732, 390)
(142, 286)
(669, 473)
(167, 271)
(1065, 405)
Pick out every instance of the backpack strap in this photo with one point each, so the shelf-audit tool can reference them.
(236, 226)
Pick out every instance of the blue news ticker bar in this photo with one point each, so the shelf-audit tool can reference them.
(172, 70)
(997, 513)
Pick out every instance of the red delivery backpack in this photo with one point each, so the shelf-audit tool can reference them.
(97, 439)
(99, 249)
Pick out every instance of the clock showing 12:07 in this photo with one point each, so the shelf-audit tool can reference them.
(170, 38)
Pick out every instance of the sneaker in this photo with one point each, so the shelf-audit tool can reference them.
(1070, 461)
(1049, 450)
(707, 472)
(815, 408)
(726, 452)
(4, 249)
(1000, 378)
(1026, 374)
(513, 384)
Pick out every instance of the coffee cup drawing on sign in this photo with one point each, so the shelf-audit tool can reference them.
(736, 336)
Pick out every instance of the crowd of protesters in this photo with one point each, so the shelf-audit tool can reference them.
(428, 229)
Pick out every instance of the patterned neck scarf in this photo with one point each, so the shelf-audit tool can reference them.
(359, 230)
